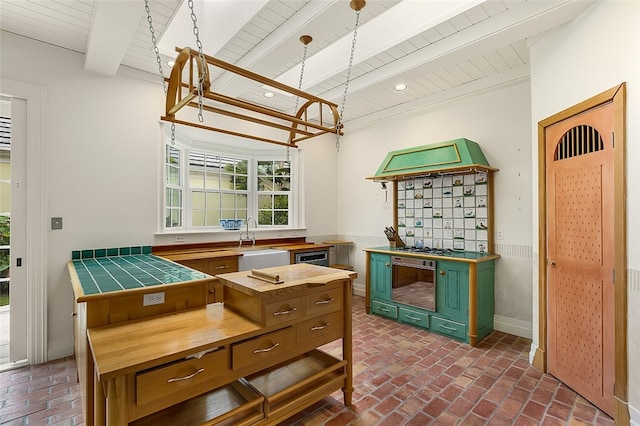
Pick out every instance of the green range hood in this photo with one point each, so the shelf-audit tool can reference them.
(458, 155)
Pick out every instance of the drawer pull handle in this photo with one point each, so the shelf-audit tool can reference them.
(190, 376)
(324, 302)
(412, 318)
(320, 327)
(221, 267)
(258, 351)
(447, 328)
(385, 310)
(284, 312)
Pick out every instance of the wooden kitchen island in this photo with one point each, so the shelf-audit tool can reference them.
(251, 360)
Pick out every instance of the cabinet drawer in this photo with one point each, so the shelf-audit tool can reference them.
(413, 317)
(223, 266)
(261, 349)
(450, 328)
(319, 327)
(179, 378)
(323, 302)
(280, 312)
(384, 309)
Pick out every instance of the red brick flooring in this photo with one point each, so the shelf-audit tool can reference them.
(402, 376)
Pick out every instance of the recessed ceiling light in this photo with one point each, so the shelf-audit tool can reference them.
(400, 87)
(269, 95)
(170, 64)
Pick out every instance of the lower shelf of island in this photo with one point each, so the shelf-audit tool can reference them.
(267, 397)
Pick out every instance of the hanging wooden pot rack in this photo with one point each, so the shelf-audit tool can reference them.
(182, 91)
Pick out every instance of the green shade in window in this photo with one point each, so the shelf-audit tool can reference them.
(213, 201)
(196, 179)
(197, 217)
(213, 217)
(198, 200)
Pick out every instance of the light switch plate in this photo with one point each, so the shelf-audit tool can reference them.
(56, 223)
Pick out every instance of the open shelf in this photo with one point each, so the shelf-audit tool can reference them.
(234, 405)
(292, 386)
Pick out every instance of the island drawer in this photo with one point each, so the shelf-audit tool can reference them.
(328, 300)
(283, 311)
(321, 327)
(450, 328)
(262, 349)
(181, 379)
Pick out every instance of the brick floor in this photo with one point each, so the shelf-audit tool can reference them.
(402, 376)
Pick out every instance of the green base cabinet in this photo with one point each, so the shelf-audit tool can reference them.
(464, 298)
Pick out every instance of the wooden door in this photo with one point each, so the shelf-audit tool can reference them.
(581, 260)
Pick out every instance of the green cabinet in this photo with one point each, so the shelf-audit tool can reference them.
(464, 298)
(380, 276)
(452, 290)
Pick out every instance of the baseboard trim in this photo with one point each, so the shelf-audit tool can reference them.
(634, 415)
(359, 289)
(513, 326)
(62, 351)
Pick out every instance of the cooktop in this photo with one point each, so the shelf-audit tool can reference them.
(431, 251)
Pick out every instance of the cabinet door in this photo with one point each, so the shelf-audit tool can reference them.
(452, 294)
(380, 276)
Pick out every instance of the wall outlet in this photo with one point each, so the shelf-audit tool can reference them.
(179, 238)
(153, 299)
(500, 234)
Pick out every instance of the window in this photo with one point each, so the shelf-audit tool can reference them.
(173, 188)
(203, 187)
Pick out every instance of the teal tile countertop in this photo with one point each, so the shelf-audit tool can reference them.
(99, 275)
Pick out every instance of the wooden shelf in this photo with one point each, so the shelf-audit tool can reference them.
(233, 404)
(337, 244)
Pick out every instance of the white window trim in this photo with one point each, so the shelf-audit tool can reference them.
(268, 153)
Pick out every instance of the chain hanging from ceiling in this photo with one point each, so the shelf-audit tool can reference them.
(204, 74)
(154, 41)
(304, 39)
(356, 5)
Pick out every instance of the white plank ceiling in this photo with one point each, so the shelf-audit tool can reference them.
(441, 49)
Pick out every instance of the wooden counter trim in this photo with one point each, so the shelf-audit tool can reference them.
(434, 257)
(132, 346)
(197, 255)
(161, 250)
(302, 274)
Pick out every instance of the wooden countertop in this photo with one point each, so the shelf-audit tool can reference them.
(136, 345)
(194, 255)
(291, 275)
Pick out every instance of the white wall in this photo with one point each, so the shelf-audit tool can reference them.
(500, 122)
(103, 146)
(595, 52)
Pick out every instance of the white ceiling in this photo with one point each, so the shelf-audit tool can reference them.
(442, 49)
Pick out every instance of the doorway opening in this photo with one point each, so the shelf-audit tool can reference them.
(5, 229)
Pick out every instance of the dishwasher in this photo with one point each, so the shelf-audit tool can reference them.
(320, 257)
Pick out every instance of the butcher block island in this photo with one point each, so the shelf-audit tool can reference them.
(253, 359)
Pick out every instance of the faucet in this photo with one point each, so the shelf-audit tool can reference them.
(248, 236)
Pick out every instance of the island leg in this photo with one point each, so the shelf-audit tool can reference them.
(347, 345)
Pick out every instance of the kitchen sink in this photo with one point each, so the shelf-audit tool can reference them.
(262, 258)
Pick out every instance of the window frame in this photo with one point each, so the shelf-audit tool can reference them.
(253, 157)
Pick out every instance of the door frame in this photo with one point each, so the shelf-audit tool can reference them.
(35, 258)
(617, 95)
